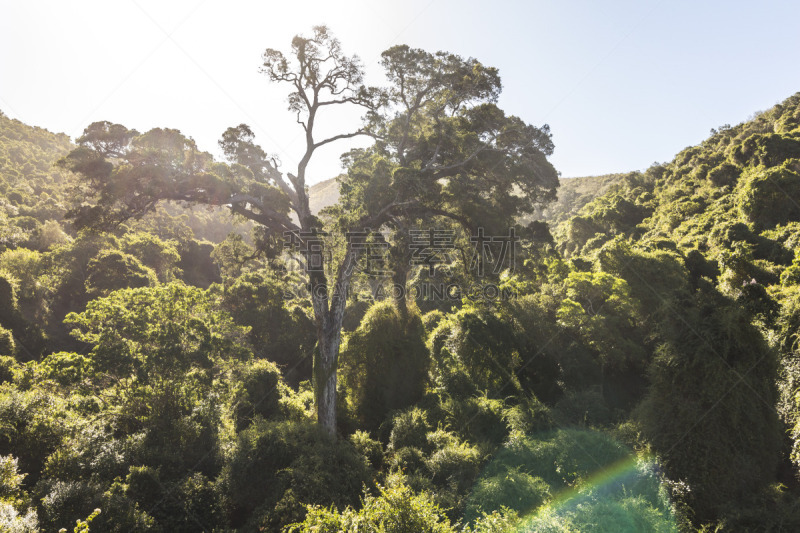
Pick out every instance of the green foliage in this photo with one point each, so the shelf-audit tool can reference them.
(160, 256)
(598, 307)
(480, 345)
(30, 185)
(513, 489)
(156, 356)
(627, 515)
(573, 194)
(83, 525)
(768, 197)
(63, 501)
(528, 417)
(111, 270)
(66, 368)
(371, 449)
(303, 466)
(495, 522)
(766, 149)
(7, 344)
(477, 419)
(284, 335)
(452, 468)
(409, 429)
(155, 333)
(259, 394)
(8, 368)
(571, 480)
(712, 377)
(15, 514)
(396, 509)
(10, 478)
(384, 363)
(668, 307)
(32, 425)
(724, 174)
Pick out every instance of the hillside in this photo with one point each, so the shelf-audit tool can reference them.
(573, 194)
(728, 210)
(33, 191)
(323, 194)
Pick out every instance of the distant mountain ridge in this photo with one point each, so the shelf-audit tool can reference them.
(323, 194)
(573, 194)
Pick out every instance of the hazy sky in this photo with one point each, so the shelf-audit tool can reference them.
(621, 83)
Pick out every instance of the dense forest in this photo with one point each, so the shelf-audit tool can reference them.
(633, 365)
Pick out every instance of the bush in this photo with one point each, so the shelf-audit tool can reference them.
(772, 196)
(724, 174)
(65, 368)
(396, 509)
(276, 468)
(561, 458)
(453, 469)
(626, 515)
(65, 502)
(7, 367)
(528, 417)
(478, 420)
(408, 460)
(514, 489)
(281, 335)
(479, 344)
(409, 428)
(371, 449)
(7, 345)
(112, 270)
(769, 150)
(710, 405)
(384, 363)
(260, 389)
(32, 425)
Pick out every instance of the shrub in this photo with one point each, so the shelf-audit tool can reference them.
(478, 420)
(112, 270)
(371, 449)
(724, 174)
(32, 425)
(772, 196)
(258, 394)
(276, 468)
(384, 363)
(396, 509)
(409, 428)
(7, 345)
(712, 377)
(513, 489)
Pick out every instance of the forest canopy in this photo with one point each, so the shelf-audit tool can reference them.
(461, 342)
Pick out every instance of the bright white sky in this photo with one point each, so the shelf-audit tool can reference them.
(621, 83)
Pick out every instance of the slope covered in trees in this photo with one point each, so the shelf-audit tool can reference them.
(637, 370)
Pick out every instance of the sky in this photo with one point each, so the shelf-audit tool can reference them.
(622, 84)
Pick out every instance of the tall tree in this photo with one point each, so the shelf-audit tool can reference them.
(442, 149)
(445, 155)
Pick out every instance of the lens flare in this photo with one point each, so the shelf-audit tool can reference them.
(595, 485)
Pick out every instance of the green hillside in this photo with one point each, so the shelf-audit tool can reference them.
(33, 191)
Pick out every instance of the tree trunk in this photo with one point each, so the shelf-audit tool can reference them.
(325, 380)
(399, 294)
(329, 314)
